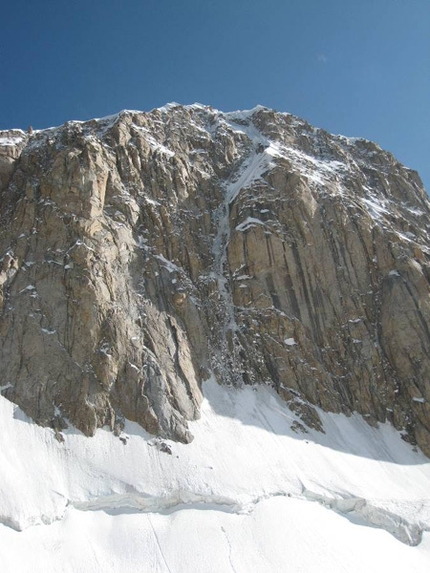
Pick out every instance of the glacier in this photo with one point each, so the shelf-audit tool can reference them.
(249, 494)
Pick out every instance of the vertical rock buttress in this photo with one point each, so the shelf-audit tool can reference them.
(144, 252)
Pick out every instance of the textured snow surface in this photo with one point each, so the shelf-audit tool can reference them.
(10, 141)
(249, 494)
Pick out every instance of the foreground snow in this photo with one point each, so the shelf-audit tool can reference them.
(247, 495)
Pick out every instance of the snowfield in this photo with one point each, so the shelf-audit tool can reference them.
(248, 495)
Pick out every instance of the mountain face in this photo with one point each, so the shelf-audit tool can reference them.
(143, 253)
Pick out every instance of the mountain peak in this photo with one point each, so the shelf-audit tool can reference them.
(186, 242)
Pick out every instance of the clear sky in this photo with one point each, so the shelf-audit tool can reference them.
(356, 67)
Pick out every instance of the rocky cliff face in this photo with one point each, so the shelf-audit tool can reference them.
(144, 252)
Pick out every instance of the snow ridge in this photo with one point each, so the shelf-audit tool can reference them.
(356, 509)
(372, 514)
(349, 507)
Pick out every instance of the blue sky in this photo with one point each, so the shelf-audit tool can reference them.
(360, 68)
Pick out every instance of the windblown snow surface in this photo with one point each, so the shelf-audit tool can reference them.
(249, 494)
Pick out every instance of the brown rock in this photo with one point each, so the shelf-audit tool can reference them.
(142, 252)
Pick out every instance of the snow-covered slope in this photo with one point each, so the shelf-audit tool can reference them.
(247, 495)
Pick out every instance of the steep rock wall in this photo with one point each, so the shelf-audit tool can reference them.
(145, 251)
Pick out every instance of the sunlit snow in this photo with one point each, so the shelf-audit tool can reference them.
(249, 494)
